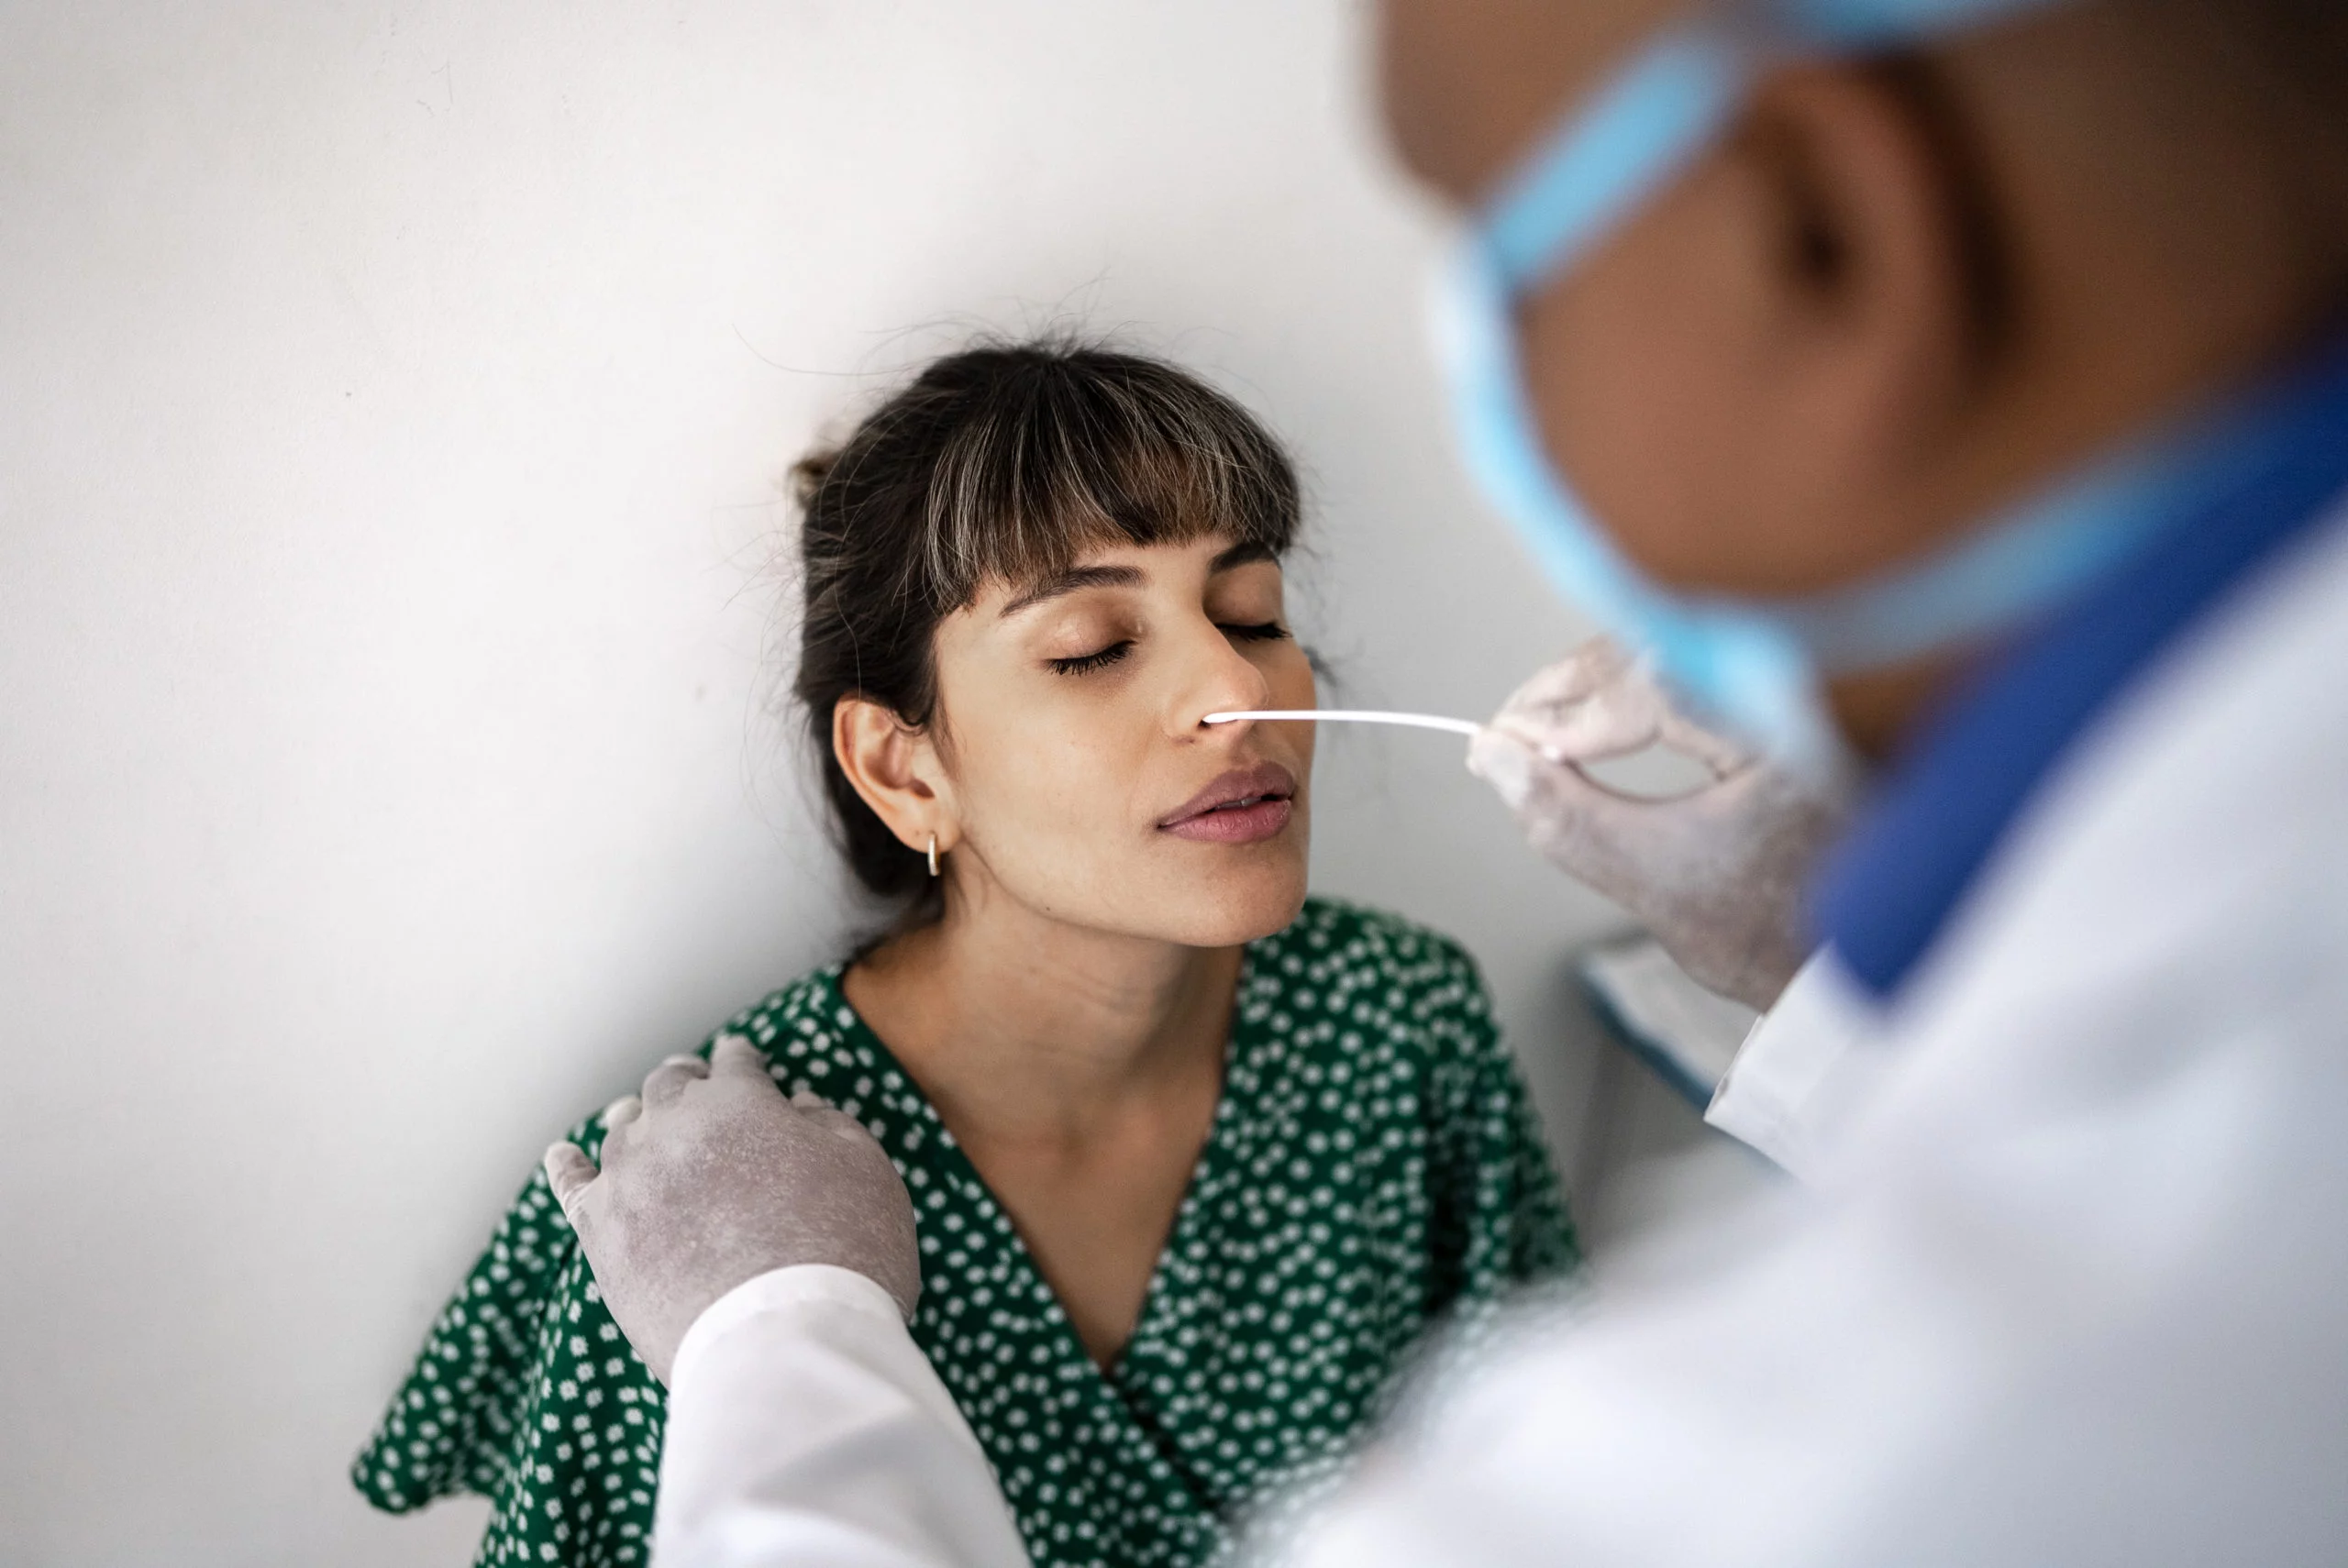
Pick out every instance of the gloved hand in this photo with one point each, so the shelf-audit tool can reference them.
(710, 1179)
(1717, 876)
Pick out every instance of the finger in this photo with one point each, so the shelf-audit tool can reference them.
(669, 1080)
(620, 1112)
(1595, 664)
(568, 1172)
(1612, 722)
(1594, 833)
(808, 1099)
(1504, 760)
(735, 1055)
(1601, 702)
(1534, 787)
(840, 1125)
(1598, 704)
(1587, 829)
(1723, 756)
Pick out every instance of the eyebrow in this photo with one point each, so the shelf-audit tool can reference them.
(1071, 581)
(1244, 553)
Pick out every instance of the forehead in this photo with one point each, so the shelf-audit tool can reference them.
(1125, 564)
(1467, 86)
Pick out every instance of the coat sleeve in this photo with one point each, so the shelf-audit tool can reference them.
(807, 1428)
(1803, 1071)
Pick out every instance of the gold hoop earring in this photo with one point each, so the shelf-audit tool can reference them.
(933, 855)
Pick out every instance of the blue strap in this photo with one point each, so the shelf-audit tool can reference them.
(1669, 104)
(1873, 23)
(1945, 809)
(1673, 99)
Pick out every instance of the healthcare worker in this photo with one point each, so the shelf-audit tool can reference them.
(1961, 391)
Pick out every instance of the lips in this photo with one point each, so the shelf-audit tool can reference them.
(1245, 805)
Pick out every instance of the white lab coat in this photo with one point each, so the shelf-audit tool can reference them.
(1801, 1075)
(805, 1428)
(2067, 1284)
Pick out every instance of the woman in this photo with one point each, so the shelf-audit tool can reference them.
(1195, 1159)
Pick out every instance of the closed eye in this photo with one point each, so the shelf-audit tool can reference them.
(1260, 632)
(1085, 664)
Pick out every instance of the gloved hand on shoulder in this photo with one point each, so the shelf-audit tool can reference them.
(712, 1177)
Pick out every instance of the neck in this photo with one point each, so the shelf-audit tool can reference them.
(1878, 710)
(1021, 1028)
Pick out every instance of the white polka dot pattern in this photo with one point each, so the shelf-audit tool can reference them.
(1373, 1164)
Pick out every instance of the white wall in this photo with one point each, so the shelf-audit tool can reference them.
(393, 400)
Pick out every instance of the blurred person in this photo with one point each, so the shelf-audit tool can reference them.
(1194, 1158)
(1951, 395)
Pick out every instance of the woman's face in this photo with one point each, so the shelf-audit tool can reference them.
(1078, 775)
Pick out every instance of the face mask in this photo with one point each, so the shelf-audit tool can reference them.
(1755, 665)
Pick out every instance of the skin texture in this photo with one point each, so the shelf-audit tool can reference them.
(1067, 1015)
(1891, 300)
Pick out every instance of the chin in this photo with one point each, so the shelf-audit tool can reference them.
(1242, 904)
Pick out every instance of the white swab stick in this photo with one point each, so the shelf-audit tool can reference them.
(1356, 716)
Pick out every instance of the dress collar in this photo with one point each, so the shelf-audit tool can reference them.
(1947, 804)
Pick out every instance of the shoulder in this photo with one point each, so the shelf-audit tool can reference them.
(803, 1023)
(808, 1018)
(1409, 969)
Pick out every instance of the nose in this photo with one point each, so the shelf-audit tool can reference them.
(1218, 679)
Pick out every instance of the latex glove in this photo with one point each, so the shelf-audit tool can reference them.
(1717, 875)
(710, 1179)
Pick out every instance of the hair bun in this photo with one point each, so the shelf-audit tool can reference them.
(808, 474)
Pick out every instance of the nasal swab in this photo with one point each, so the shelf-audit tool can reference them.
(1355, 716)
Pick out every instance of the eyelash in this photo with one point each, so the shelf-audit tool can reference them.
(1086, 664)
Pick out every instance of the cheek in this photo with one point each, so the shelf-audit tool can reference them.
(1060, 800)
(1642, 363)
(1289, 683)
(1625, 367)
(1040, 782)
(1290, 676)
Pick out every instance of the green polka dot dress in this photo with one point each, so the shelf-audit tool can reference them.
(1373, 1164)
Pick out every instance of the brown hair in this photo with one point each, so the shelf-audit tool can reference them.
(1003, 462)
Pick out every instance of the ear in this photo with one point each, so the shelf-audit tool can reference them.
(1767, 379)
(1884, 280)
(896, 769)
